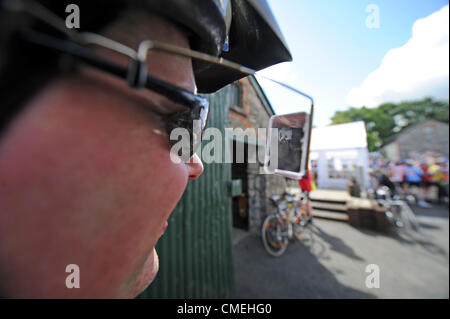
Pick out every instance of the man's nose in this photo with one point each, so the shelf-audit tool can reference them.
(195, 167)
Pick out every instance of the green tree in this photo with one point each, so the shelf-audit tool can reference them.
(389, 119)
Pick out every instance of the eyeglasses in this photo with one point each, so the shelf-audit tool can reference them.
(197, 107)
(193, 119)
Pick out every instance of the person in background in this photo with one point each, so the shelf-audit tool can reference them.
(445, 180)
(354, 189)
(306, 186)
(414, 178)
(397, 177)
(426, 178)
(438, 176)
(379, 179)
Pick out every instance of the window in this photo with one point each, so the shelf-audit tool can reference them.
(236, 96)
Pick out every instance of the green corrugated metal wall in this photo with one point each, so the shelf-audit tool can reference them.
(195, 253)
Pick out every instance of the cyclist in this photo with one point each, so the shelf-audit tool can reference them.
(306, 186)
(86, 175)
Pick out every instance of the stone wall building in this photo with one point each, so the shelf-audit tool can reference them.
(250, 108)
(427, 137)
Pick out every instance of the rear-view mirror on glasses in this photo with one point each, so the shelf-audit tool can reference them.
(289, 131)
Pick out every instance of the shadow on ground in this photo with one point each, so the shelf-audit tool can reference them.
(436, 210)
(426, 218)
(296, 274)
(336, 243)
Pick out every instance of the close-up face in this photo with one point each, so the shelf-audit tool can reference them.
(86, 177)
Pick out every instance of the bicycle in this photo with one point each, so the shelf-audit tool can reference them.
(397, 211)
(287, 223)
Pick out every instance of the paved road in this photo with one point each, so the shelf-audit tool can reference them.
(412, 265)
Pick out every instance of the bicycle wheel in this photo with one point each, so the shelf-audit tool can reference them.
(273, 236)
(303, 234)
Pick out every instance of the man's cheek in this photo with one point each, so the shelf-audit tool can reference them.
(172, 178)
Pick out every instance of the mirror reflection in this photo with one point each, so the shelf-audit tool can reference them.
(287, 145)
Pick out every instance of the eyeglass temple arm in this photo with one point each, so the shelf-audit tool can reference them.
(147, 45)
(85, 55)
(308, 149)
(73, 49)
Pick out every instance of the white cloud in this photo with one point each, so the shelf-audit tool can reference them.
(418, 69)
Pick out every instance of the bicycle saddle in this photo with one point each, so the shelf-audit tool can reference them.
(289, 197)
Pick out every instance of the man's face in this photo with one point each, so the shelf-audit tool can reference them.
(86, 179)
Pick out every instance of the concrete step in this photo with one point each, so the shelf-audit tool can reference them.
(329, 200)
(337, 208)
(329, 196)
(330, 215)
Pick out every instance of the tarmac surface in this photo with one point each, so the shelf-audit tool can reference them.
(412, 264)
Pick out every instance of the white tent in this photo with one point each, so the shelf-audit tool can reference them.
(339, 152)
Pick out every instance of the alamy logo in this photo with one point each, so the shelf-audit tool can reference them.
(73, 19)
(373, 19)
(73, 280)
(373, 279)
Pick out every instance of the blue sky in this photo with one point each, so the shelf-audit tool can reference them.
(334, 51)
